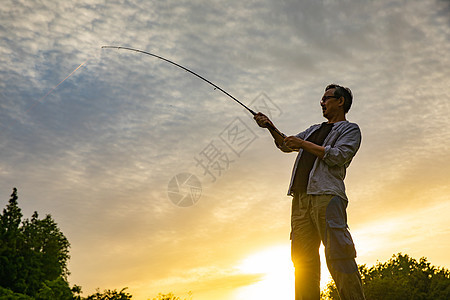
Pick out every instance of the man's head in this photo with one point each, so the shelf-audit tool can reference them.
(336, 102)
(340, 91)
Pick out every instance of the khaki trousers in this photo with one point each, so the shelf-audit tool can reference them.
(316, 219)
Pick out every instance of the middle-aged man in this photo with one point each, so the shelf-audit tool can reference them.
(319, 201)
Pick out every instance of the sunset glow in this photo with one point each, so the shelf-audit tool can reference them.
(278, 274)
(275, 266)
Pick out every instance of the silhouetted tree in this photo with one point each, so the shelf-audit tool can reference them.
(110, 295)
(402, 277)
(33, 255)
(11, 241)
(54, 289)
(170, 296)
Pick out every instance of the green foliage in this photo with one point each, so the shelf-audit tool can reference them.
(402, 277)
(55, 289)
(76, 292)
(110, 295)
(170, 296)
(33, 254)
(330, 293)
(7, 294)
(47, 244)
(11, 261)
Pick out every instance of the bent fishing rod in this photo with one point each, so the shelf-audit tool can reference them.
(270, 127)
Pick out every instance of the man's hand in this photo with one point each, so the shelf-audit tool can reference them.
(263, 121)
(293, 143)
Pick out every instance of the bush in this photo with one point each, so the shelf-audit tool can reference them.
(402, 277)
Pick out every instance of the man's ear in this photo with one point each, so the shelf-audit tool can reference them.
(341, 101)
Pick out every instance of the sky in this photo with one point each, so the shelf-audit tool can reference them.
(162, 183)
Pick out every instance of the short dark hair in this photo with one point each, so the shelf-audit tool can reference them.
(341, 91)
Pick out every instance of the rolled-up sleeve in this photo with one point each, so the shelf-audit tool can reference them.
(345, 147)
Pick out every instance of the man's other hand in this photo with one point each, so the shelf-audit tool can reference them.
(293, 142)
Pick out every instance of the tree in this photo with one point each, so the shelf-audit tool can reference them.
(402, 277)
(54, 289)
(7, 294)
(11, 259)
(170, 296)
(43, 238)
(110, 295)
(33, 254)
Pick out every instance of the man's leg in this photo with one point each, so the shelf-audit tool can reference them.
(305, 243)
(340, 251)
(347, 278)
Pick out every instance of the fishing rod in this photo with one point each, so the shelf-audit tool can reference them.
(270, 126)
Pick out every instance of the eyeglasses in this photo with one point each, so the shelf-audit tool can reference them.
(325, 98)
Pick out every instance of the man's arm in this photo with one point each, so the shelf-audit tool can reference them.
(264, 122)
(296, 143)
(343, 150)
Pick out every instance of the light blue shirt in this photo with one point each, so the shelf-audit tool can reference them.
(327, 174)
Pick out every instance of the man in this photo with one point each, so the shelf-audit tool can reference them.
(319, 200)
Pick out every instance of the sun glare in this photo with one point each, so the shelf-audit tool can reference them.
(277, 274)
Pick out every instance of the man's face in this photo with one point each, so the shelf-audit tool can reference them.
(330, 104)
